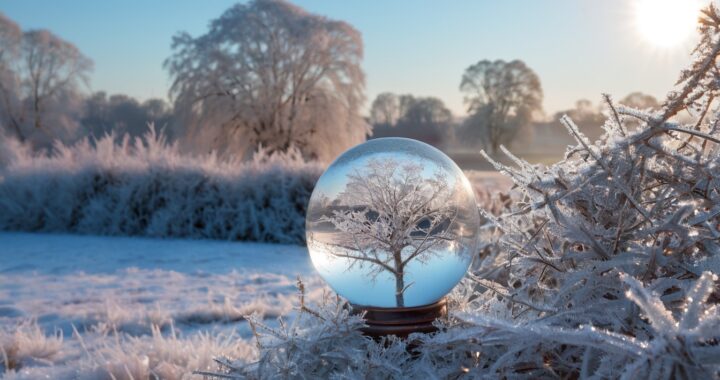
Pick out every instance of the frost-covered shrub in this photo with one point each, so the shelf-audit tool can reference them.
(606, 264)
(145, 186)
(324, 342)
(11, 150)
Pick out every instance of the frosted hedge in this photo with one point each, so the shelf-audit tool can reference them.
(145, 186)
(148, 187)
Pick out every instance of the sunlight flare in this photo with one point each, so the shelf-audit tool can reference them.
(666, 23)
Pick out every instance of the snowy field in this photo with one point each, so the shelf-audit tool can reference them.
(92, 307)
(108, 307)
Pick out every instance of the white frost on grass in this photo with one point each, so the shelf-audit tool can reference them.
(99, 307)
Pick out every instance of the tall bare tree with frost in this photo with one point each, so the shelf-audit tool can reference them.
(52, 70)
(393, 215)
(269, 73)
(41, 80)
(10, 40)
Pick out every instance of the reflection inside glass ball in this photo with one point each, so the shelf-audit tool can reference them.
(392, 223)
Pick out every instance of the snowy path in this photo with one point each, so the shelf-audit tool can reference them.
(113, 288)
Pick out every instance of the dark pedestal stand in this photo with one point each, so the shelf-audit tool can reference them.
(401, 321)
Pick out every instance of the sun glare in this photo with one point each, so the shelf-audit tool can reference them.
(666, 23)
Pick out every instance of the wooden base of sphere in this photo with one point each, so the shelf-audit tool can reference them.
(400, 321)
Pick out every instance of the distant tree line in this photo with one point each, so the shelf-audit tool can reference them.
(123, 114)
(502, 99)
(421, 118)
(266, 74)
(590, 117)
(44, 82)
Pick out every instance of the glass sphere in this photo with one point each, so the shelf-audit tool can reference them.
(392, 223)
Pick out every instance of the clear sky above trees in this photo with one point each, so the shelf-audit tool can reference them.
(420, 47)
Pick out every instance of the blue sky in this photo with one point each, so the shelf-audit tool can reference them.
(579, 48)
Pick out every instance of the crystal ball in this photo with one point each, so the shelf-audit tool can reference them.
(392, 223)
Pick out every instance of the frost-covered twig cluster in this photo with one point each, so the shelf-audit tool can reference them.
(606, 268)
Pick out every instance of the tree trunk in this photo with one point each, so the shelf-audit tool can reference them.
(37, 113)
(18, 131)
(399, 279)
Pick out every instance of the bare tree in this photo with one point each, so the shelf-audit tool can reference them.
(422, 118)
(40, 79)
(123, 114)
(53, 68)
(385, 109)
(425, 111)
(393, 215)
(269, 73)
(10, 41)
(501, 98)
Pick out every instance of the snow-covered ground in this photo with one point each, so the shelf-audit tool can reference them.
(87, 307)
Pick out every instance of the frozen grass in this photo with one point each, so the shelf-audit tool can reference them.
(114, 355)
(161, 355)
(25, 344)
(88, 307)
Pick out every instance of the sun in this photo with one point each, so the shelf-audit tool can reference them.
(666, 23)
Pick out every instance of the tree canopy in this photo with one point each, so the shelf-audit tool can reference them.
(501, 98)
(269, 73)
